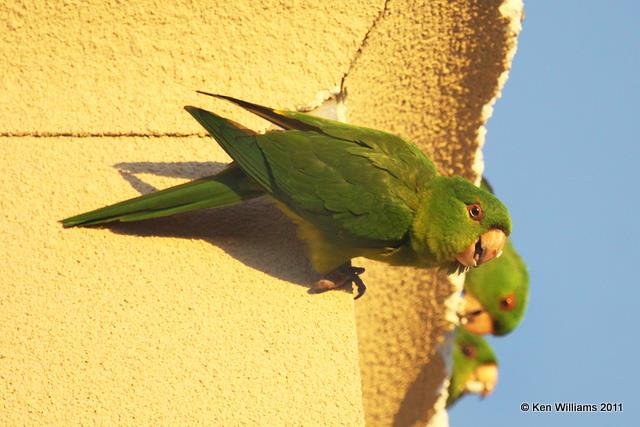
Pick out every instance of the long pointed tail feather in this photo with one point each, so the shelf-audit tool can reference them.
(226, 188)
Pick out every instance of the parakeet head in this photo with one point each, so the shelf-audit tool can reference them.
(496, 295)
(465, 226)
(475, 367)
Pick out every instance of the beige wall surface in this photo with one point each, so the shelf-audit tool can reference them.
(205, 317)
(196, 318)
(126, 67)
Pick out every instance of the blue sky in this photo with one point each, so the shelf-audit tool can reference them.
(563, 152)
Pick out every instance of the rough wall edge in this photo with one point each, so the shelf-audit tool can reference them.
(440, 417)
(513, 10)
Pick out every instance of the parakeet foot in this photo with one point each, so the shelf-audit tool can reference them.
(341, 277)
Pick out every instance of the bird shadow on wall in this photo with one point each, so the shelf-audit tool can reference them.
(417, 407)
(254, 232)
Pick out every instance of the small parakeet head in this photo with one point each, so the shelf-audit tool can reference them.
(465, 226)
(475, 367)
(495, 295)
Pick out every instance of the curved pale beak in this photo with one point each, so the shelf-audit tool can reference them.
(488, 246)
(483, 380)
(473, 317)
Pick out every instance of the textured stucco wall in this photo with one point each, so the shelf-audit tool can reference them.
(198, 318)
(204, 317)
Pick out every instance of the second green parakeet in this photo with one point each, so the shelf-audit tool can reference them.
(352, 191)
(495, 295)
(474, 368)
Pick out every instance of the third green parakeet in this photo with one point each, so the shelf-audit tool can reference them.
(474, 369)
(352, 191)
(495, 295)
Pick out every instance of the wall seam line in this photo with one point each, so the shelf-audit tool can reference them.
(99, 135)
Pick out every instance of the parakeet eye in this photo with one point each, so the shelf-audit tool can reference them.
(469, 350)
(508, 303)
(475, 212)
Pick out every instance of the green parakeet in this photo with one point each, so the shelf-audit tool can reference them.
(495, 294)
(475, 367)
(352, 191)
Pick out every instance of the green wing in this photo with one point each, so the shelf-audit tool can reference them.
(335, 185)
(357, 185)
(409, 160)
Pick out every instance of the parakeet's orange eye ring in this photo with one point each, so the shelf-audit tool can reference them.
(469, 350)
(508, 303)
(475, 212)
